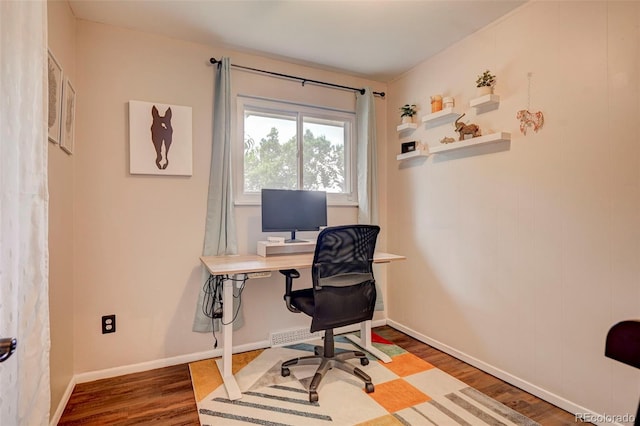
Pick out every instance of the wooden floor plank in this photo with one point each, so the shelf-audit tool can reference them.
(165, 396)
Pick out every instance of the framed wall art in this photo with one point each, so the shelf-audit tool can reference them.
(160, 139)
(408, 147)
(67, 137)
(55, 98)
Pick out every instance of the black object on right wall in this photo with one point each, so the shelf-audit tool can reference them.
(623, 344)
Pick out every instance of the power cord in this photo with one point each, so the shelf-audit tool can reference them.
(212, 306)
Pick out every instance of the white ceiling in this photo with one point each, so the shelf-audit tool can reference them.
(377, 39)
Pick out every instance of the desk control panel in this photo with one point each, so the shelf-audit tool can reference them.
(260, 274)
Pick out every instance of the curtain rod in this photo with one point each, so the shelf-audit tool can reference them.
(302, 79)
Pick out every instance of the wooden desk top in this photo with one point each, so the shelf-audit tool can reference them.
(238, 264)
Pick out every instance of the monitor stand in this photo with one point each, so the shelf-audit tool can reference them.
(293, 239)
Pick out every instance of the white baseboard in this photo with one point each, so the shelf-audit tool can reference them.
(183, 359)
(164, 362)
(167, 362)
(53, 420)
(140, 367)
(541, 393)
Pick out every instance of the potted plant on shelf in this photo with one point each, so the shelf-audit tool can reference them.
(485, 83)
(407, 112)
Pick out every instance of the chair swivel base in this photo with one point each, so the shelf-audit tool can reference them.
(327, 363)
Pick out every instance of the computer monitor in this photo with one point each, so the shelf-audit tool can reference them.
(293, 210)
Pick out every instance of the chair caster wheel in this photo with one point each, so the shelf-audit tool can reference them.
(364, 361)
(285, 372)
(368, 387)
(313, 396)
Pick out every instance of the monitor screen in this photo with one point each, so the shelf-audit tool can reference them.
(293, 210)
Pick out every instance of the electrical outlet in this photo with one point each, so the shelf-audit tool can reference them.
(108, 324)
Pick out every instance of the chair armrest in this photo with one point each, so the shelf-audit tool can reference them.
(290, 275)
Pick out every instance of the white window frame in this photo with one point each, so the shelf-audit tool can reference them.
(348, 198)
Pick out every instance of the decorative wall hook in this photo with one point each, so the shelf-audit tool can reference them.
(528, 118)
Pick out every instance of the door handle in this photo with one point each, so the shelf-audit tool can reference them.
(7, 347)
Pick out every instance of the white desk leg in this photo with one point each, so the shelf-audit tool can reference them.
(364, 341)
(225, 364)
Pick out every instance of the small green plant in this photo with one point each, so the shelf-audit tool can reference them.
(408, 110)
(486, 79)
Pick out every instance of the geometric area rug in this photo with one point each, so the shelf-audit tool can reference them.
(408, 391)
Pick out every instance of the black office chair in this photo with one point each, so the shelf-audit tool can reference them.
(343, 293)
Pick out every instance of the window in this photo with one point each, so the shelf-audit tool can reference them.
(291, 146)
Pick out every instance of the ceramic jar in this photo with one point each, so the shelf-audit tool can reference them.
(436, 103)
(447, 102)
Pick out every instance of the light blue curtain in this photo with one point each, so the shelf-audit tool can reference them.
(367, 166)
(24, 213)
(220, 227)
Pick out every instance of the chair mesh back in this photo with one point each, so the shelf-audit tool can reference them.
(342, 274)
(344, 249)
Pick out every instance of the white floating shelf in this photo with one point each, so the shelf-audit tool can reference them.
(413, 154)
(481, 140)
(484, 101)
(440, 117)
(407, 126)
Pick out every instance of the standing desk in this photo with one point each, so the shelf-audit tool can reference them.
(244, 264)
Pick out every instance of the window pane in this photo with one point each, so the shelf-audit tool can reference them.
(323, 156)
(270, 159)
(286, 145)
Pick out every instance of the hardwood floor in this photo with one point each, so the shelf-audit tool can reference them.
(165, 397)
(515, 398)
(160, 397)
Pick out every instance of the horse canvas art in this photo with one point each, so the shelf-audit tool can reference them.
(161, 136)
(160, 139)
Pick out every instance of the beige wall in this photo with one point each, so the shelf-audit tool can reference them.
(62, 42)
(521, 257)
(138, 238)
